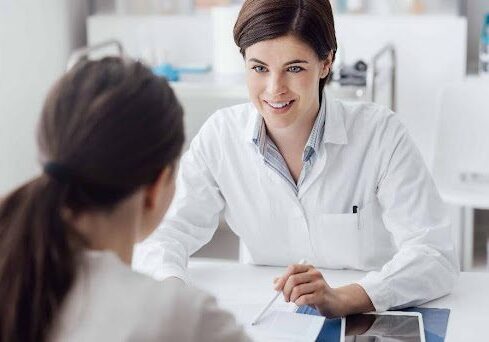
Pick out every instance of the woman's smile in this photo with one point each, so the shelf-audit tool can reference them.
(279, 107)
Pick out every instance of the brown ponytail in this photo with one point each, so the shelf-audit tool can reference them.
(37, 262)
(107, 128)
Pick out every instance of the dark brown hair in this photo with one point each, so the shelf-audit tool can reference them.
(108, 127)
(309, 20)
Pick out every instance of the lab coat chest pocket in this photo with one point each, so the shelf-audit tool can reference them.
(335, 239)
(375, 244)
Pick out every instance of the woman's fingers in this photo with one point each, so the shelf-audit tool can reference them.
(301, 290)
(305, 285)
(307, 299)
(293, 281)
(292, 269)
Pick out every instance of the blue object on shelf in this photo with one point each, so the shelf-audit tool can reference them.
(435, 323)
(173, 74)
(167, 71)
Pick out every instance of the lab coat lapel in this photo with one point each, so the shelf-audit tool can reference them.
(278, 181)
(334, 134)
(268, 173)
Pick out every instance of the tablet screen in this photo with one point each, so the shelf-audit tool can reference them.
(369, 328)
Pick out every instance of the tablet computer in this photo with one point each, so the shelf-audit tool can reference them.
(383, 326)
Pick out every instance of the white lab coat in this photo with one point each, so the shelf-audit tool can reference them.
(401, 231)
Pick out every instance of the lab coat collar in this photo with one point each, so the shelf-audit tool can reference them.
(334, 127)
(254, 120)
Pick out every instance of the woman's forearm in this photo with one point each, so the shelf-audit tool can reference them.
(355, 300)
(345, 300)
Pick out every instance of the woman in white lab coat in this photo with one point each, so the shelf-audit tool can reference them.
(299, 174)
(109, 137)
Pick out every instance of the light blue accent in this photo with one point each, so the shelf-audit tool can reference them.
(484, 47)
(341, 6)
(173, 74)
(167, 71)
(485, 30)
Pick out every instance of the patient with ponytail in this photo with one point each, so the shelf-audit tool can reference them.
(109, 139)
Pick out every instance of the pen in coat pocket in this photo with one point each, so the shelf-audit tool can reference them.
(355, 211)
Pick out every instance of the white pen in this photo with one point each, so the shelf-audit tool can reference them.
(269, 304)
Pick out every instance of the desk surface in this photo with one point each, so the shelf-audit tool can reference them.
(231, 281)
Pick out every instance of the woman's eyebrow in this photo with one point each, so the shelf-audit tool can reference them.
(257, 61)
(296, 61)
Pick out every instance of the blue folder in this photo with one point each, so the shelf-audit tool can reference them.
(435, 324)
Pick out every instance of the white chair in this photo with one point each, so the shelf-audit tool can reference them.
(461, 158)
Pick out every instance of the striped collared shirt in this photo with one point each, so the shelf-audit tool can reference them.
(276, 161)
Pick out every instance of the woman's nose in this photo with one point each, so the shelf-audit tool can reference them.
(276, 85)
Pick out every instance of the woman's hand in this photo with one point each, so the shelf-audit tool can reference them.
(305, 285)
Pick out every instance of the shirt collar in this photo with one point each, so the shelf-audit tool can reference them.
(260, 134)
(317, 132)
(329, 124)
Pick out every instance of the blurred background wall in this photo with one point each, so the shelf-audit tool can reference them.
(36, 38)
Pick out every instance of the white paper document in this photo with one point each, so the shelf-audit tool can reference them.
(280, 323)
(286, 326)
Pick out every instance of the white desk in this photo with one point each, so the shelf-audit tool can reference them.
(234, 282)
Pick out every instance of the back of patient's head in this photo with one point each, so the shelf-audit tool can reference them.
(107, 128)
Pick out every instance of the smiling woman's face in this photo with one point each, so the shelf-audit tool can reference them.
(283, 77)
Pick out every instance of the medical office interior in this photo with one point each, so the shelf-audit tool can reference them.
(424, 59)
(427, 60)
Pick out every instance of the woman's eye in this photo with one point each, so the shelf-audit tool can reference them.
(259, 68)
(295, 69)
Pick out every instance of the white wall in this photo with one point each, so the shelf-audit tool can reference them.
(179, 39)
(36, 38)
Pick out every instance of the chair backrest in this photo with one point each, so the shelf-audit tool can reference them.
(461, 155)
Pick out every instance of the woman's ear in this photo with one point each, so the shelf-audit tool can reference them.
(153, 192)
(326, 65)
(156, 199)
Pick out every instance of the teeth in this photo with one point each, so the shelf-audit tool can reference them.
(278, 105)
